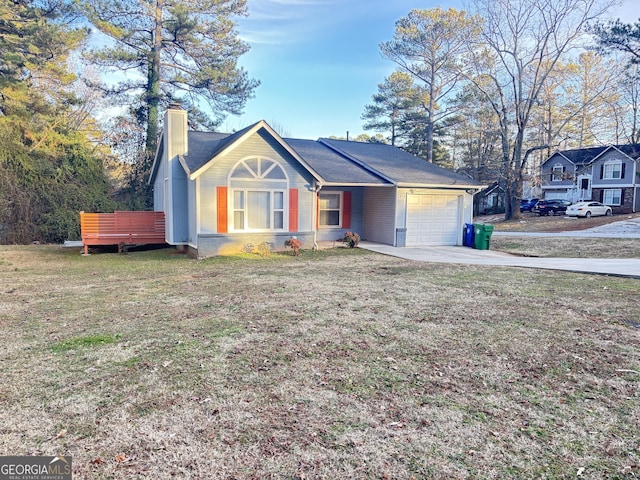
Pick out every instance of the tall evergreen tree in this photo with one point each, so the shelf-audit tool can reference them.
(619, 36)
(427, 44)
(186, 50)
(396, 98)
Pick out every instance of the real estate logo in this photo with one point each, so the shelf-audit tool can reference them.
(35, 468)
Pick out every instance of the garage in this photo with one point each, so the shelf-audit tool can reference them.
(434, 220)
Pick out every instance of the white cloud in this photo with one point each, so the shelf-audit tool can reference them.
(284, 21)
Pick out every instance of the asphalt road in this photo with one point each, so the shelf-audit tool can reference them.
(628, 228)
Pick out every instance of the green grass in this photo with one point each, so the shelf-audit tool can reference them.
(95, 340)
(567, 247)
(334, 364)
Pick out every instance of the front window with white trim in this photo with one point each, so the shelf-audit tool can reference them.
(612, 170)
(330, 209)
(556, 174)
(612, 196)
(258, 189)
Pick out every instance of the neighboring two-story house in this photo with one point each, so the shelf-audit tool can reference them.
(609, 174)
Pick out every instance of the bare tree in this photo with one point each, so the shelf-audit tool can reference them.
(428, 44)
(625, 107)
(522, 44)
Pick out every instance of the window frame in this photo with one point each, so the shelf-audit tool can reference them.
(257, 181)
(246, 212)
(554, 176)
(340, 209)
(611, 164)
(611, 203)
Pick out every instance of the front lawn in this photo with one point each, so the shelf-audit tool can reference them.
(567, 247)
(532, 222)
(334, 364)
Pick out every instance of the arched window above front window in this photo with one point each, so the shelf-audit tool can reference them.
(257, 168)
(258, 196)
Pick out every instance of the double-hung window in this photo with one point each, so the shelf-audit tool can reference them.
(258, 209)
(556, 173)
(330, 209)
(612, 196)
(258, 188)
(612, 170)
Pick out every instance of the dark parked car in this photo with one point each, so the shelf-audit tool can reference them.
(526, 205)
(551, 207)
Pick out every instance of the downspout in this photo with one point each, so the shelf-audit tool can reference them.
(314, 215)
(635, 188)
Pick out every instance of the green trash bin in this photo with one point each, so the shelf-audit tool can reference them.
(482, 235)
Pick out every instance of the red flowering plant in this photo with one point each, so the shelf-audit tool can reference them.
(351, 239)
(294, 243)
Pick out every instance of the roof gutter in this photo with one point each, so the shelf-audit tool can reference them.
(344, 184)
(474, 188)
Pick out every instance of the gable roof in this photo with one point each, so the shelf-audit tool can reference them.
(630, 150)
(196, 162)
(584, 156)
(579, 156)
(203, 145)
(331, 162)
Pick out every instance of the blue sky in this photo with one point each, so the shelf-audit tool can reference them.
(319, 61)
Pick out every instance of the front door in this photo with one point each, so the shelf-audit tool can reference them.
(584, 187)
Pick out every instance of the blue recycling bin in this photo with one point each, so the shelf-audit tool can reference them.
(469, 235)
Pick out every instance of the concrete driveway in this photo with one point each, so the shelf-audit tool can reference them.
(621, 267)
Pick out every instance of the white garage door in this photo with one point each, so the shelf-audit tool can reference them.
(433, 220)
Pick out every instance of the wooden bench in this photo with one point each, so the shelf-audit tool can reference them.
(121, 228)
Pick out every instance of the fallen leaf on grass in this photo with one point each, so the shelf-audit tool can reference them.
(97, 461)
(121, 457)
(60, 434)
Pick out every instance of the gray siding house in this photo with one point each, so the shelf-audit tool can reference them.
(608, 174)
(221, 192)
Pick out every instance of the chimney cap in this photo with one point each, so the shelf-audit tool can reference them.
(175, 106)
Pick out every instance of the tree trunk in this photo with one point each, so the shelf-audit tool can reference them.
(153, 83)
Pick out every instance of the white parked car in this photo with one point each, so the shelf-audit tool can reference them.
(587, 209)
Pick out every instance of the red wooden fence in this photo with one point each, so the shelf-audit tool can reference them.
(121, 228)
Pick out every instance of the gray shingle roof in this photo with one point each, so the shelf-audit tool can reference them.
(331, 166)
(396, 164)
(584, 156)
(203, 146)
(632, 150)
(338, 161)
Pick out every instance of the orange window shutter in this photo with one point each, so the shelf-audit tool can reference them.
(346, 210)
(293, 209)
(223, 210)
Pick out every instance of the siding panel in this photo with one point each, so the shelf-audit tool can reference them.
(263, 145)
(379, 214)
